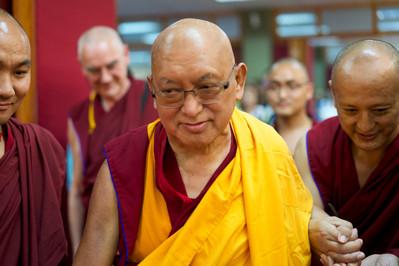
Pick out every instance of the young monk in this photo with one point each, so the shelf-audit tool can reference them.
(31, 165)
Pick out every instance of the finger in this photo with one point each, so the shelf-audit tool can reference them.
(340, 222)
(348, 247)
(344, 233)
(354, 234)
(323, 259)
(326, 260)
(353, 257)
(332, 233)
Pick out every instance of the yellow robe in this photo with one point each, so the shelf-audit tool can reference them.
(255, 213)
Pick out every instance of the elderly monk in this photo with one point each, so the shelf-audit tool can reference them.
(118, 102)
(288, 91)
(350, 163)
(205, 185)
(31, 165)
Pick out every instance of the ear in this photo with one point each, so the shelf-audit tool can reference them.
(150, 88)
(240, 77)
(126, 54)
(330, 85)
(309, 91)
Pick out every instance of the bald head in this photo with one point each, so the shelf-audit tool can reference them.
(8, 23)
(15, 65)
(365, 87)
(292, 63)
(192, 37)
(96, 35)
(373, 52)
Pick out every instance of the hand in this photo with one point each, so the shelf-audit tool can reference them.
(328, 261)
(381, 260)
(335, 238)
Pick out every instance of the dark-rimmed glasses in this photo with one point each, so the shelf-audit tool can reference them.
(206, 93)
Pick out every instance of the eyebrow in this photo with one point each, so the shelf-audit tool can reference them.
(204, 77)
(26, 62)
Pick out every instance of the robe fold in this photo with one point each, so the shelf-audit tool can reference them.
(255, 212)
(133, 110)
(372, 209)
(32, 180)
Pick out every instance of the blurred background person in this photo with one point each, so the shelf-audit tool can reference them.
(252, 103)
(117, 102)
(288, 90)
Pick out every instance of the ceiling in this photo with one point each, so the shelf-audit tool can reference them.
(131, 9)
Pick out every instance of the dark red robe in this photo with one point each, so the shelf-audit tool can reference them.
(372, 209)
(126, 157)
(31, 183)
(133, 110)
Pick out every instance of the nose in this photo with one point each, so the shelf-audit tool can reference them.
(191, 105)
(282, 92)
(105, 75)
(6, 86)
(365, 122)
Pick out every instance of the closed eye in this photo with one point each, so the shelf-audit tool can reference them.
(349, 110)
(171, 91)
(21, 73)
(380, 111)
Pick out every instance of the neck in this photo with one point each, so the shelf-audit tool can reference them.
(190, 151)
(197, 164)
(370, 158)
(298, 120)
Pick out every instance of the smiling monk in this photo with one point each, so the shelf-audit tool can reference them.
(31, 165)
(351, 162)
(206, 184)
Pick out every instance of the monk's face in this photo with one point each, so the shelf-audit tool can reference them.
(366, 94)
(288, 89)
(196, 62)
(14, 68)
(105, 65)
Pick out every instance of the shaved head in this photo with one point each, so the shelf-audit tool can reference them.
(15, 65)
(6, 20)
(293, 62)
(366, 50)
(365, 86)
(194, 55)
(202, 37)
(98, 34)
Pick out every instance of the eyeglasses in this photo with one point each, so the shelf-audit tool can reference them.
(206, 93)
(96, 71)
(276, 87)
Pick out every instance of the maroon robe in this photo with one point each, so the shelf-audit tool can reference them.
(31, 183)
(133, 110)
(372, 209)
(126, 157)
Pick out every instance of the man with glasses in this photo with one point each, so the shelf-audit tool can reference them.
(288, 91)
(350, 163)
(117, 102)
(206, 184)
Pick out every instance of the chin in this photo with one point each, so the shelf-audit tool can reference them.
(369, 146)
